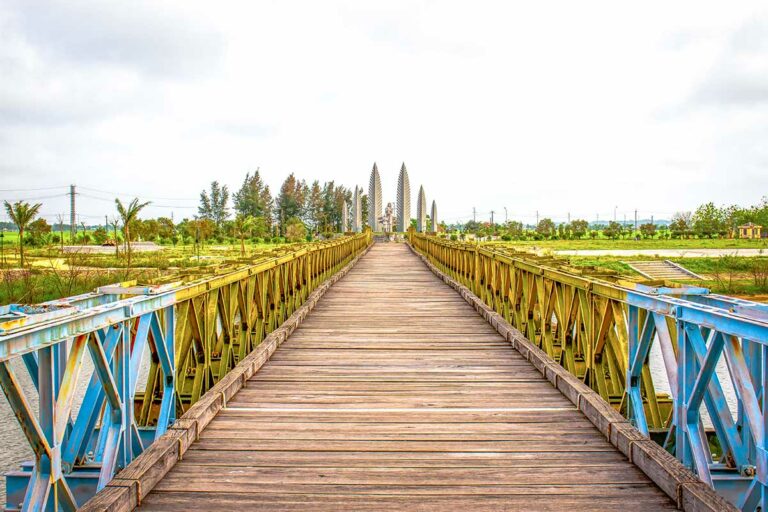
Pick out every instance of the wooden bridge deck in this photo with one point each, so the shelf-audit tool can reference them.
(394, 394)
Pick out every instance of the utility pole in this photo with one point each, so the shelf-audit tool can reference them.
(72, 217)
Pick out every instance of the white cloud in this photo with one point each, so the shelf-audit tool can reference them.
(555, 106)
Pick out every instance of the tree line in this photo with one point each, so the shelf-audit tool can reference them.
(706, 221)
(300, 211)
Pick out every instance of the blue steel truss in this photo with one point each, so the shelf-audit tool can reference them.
(80, 441)
(77, 454)
(709, 328)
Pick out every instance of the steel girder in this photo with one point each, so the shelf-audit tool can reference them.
(192, 332)
(602, 330)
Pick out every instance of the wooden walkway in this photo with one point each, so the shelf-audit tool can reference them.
(394, 394)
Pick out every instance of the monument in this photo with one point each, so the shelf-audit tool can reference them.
(403, 200)
(357, 211)
(344, 217)
(374, 199)
(435, 224)
(421, 211)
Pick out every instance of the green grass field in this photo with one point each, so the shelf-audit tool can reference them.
(605, 243)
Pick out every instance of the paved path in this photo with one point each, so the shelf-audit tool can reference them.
(395, 395)
(665, 253)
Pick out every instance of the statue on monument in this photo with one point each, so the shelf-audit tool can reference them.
(387, 220)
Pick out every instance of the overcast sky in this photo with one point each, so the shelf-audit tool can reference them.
(581, 107)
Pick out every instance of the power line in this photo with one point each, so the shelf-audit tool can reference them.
(151, 205)
(36, 198)
(139, 195)
(30, 189)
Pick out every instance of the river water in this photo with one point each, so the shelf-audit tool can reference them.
(14, 448)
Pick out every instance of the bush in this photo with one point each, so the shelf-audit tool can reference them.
(454, 237)
(257, 240)
(506, 238)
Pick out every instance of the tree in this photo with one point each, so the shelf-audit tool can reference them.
(364, 208)
(579, 228)
(291, 200)
(38, 230)
(21, 214)
(213, 206)
(546, 227)
(331, 208)
(472, 226)
(100, 235)
(514, 229)
(315, 214)
(243, 226)
(269, 206)
(128, 215)
(681, 224)
(613, 230)
(255, 199)
(165, 227)
(648, 230)
(147, 229)
(708, 220)
(295, 230)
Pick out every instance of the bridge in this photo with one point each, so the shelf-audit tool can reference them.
(428, 375)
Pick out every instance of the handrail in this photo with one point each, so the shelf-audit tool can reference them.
(601, 328)
(195, 332)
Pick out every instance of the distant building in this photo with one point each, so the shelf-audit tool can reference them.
(750, 230)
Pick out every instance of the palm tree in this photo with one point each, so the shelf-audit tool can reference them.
(244, 224)
(21, 214)
(128, 215)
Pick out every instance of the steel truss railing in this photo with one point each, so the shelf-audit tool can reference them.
(602, 328)
(194, 333)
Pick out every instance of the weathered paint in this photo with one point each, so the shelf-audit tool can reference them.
(196, 332)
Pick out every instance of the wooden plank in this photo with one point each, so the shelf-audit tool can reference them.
(535, 500)
(395, 394)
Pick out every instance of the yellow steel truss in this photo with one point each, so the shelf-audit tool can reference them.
(579, 319)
